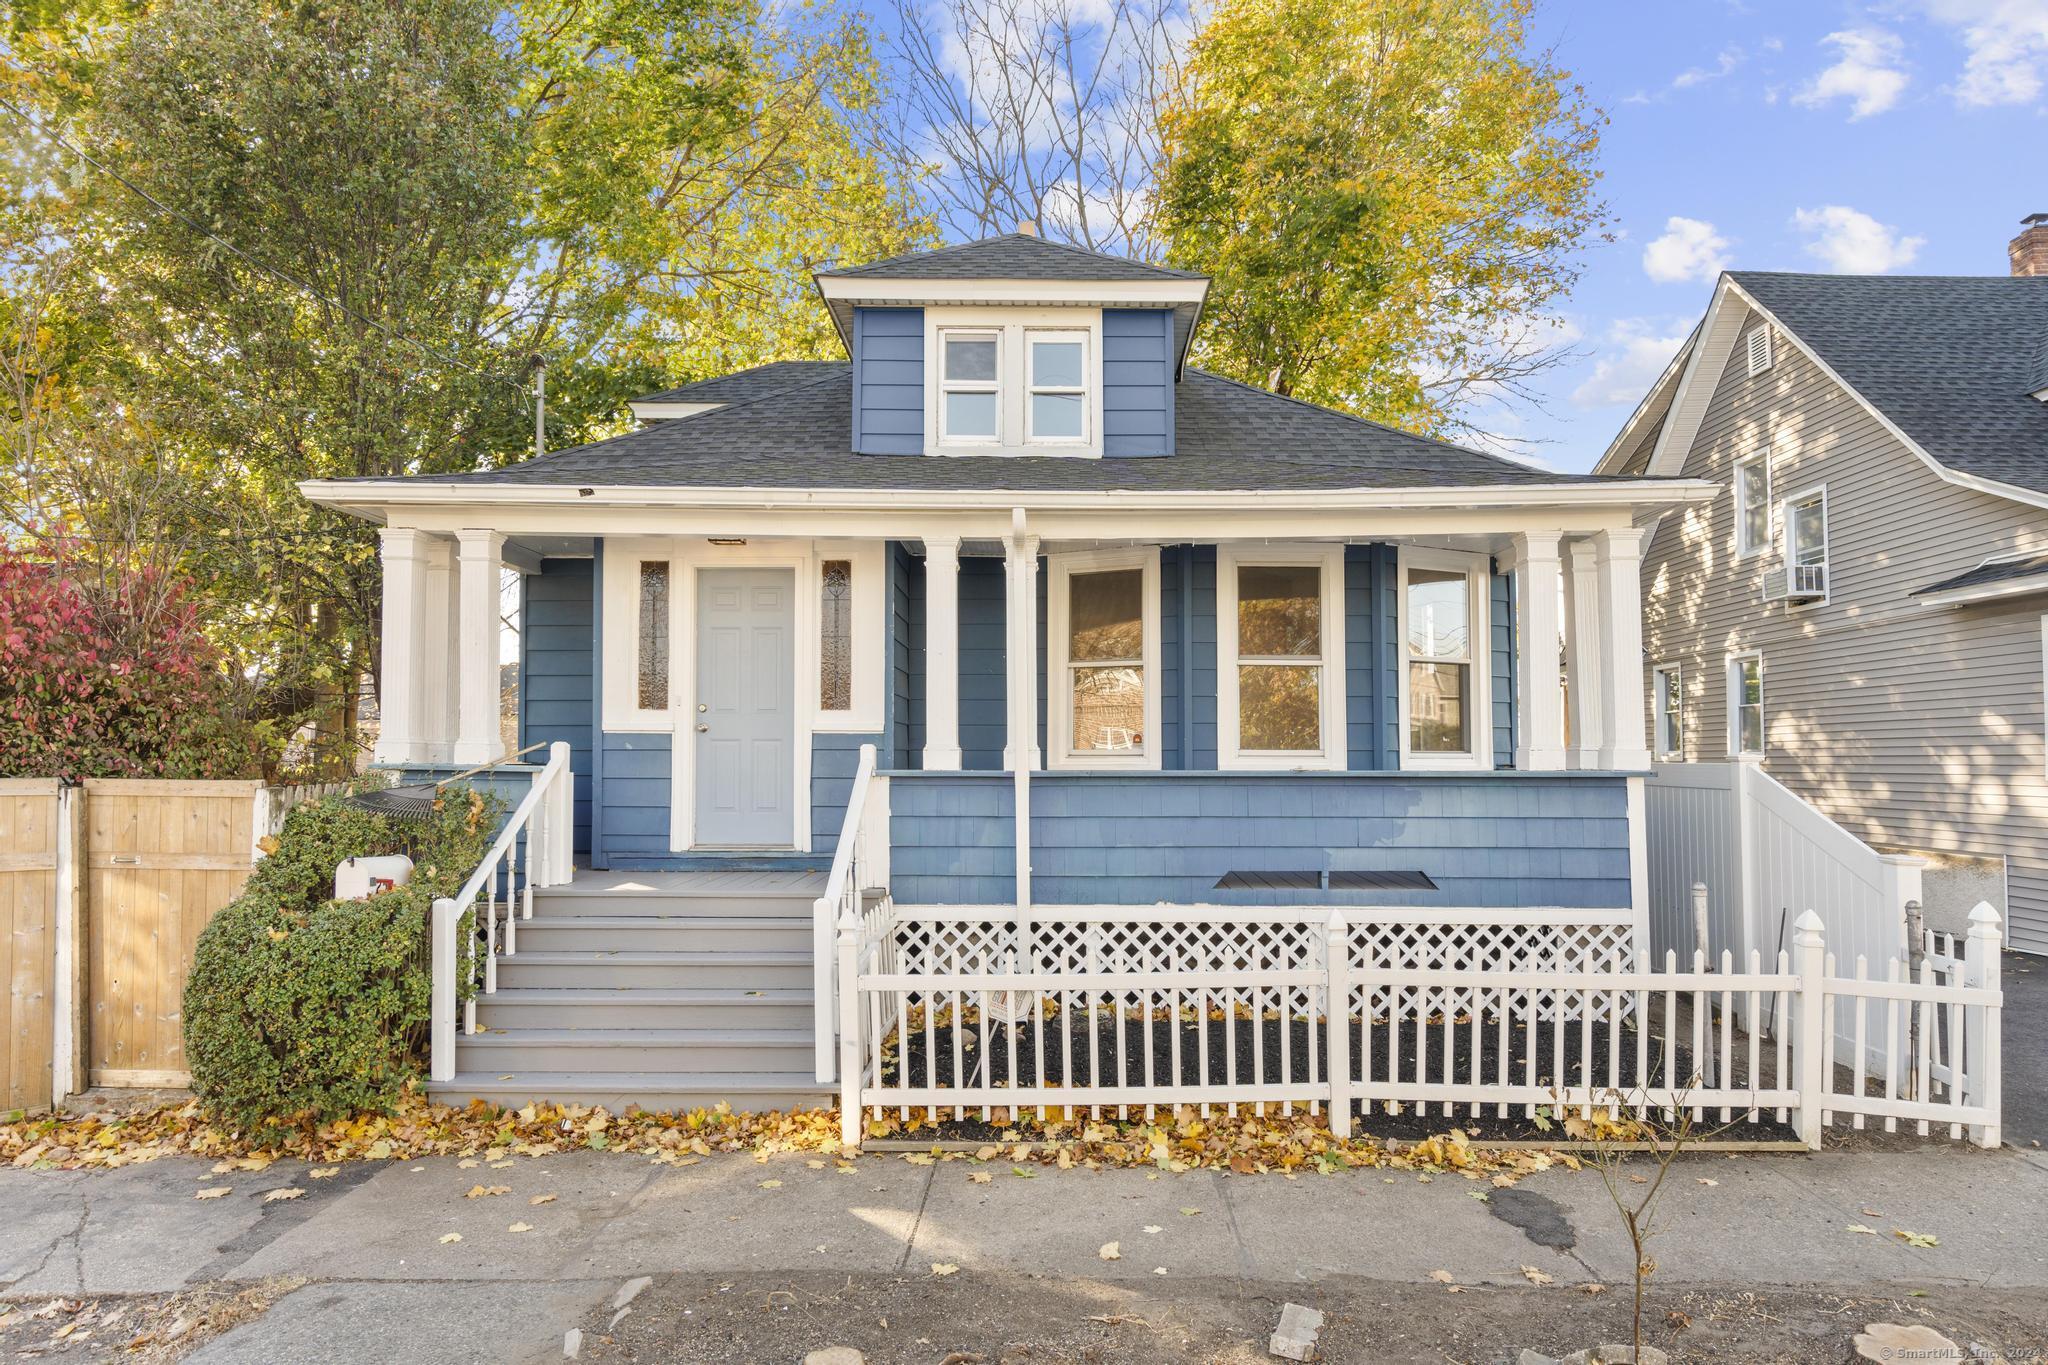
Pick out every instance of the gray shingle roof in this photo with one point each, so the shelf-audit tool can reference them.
(1013, 256)
(1229, 437)
(1985, 575)
(1951, 359)
(742, 386)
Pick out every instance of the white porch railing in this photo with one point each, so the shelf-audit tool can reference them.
(860, 864)
(973, 1009)
(501, 891)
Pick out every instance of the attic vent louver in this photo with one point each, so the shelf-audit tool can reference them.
(1758, 344)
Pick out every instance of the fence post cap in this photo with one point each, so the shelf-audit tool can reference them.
(849, 922)
(1809, 926)
(1340, 919)
(1984, 920)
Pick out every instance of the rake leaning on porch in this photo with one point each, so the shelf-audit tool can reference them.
(1192, 644)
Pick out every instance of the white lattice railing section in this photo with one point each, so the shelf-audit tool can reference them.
(858, 884)
(964, 1011)
(534, 848)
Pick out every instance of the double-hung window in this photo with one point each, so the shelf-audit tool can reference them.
(1667, 697)
(1279, 680)
(1746, 704)
(1806, 544)
(1752, 505)
(970, 386)
(1057, 407)
(1444, 634)
(1102, 634)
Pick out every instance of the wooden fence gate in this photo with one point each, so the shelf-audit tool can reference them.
(34, 840)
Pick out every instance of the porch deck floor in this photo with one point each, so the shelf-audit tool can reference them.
(706, 881)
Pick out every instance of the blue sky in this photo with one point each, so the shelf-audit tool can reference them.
(1902, 137)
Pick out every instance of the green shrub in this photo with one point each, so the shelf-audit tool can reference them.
(301, 1008)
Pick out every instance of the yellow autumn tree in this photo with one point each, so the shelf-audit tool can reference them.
(1391, 195)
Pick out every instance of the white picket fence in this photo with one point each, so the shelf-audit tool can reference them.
(965, 1010)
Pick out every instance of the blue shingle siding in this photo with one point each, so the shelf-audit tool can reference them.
(888, 381)
(833, 761)
(1501, 616)
(1137, 839)
(1137, 381)
(636, 795)
(555, 685)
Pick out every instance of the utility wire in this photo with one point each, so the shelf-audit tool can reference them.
(64, 144)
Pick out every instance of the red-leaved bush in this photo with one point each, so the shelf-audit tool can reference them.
(114, 680)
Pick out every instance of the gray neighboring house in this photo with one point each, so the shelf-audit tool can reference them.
(1865, 606)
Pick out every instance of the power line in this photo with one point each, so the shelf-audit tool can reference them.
(64, 144)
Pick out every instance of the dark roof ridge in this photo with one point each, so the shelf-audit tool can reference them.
(953, 248)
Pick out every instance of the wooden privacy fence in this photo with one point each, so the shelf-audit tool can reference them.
(104, 889)
(964, 1010)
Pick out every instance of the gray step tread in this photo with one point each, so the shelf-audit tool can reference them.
(701, 957)
(639, 1037)
(653, 1082)
(644, 893)
(680, 923)
(648, 995)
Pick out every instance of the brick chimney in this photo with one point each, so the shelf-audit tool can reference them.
(2029, 250)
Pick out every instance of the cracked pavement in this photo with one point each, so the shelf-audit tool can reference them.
(369, 1240)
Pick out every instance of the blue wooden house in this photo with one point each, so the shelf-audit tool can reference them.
(1223, 646)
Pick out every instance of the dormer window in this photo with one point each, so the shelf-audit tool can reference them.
(1014, 381)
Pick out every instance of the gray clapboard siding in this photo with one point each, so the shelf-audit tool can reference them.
(1915, 727)
(1138, 838)
(1137, 381)
(888, 381)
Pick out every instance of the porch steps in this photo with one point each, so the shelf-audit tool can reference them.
(669, 995)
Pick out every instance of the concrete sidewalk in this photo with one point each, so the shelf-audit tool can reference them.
(380, 1281)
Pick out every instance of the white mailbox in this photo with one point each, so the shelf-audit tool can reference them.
(360, 878)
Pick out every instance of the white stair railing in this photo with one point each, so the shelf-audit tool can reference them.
(859, 861)
(501, 892)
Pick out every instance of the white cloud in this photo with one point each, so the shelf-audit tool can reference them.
(1850, 242)
(2006, 42)
(1690, 249)
(1869, 72)
(1628, 361)
(1724, 64)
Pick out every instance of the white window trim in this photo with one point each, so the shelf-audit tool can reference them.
(622, 712)
(1743, 549)
(1013, 326)
(870, 635)
(1750, 359)
(1059, 673)
(1085, 389)
(1732, 678)
(1657, 693)
(1335, 750)
(1478, 570)
(1827, 558)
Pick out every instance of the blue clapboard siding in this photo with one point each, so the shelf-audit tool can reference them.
(1201, 657)
(555, 687)
(637, 786)
(1137, 381)
(982, 686)
(905, 723)
(1501, 617)
(888, 381)
(1383, 586)
(1137, 839)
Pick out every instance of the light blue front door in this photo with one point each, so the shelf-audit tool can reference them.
(746, 708)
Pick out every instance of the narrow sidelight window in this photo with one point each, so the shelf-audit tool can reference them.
(1280, 658)
(1440, 654)
(835, 635)
(1669, 697)
(653, 670)
(1746, 704)
(1752, 505)
(1106, 660)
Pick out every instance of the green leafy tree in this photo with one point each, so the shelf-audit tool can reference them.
(1392, 196)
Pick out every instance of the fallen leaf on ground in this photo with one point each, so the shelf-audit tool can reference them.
(1109, 1252)
(1189, 1213)
(323, 1172)
(981, 1177)
(272, 1196)
(542, 1199)
(1535, 1276)
(944, 1268)
(448, 1237)
(1859, 1227)
(1704, 1181)
(1158, 1270)
(771, 1184)
(1916, 1239)
(520, 1227)
(1153, 1228)
(217, 1192)
(485, 1191)
(1442, 1276)
(1591, 1288)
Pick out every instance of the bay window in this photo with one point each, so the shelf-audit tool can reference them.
(1280, 682)
(1443, 630)
(1102, 636)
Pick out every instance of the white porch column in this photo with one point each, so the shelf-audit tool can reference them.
(402, 665)
(1582, 651)
(942, 653)
(442, 628)
(1539, 728)
(1020, 655)
(1620, 566)
(480, 556)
